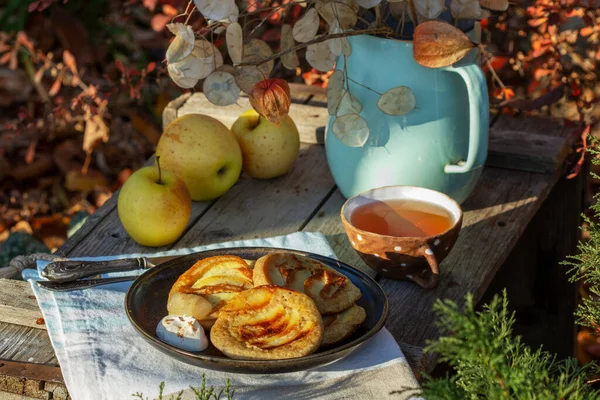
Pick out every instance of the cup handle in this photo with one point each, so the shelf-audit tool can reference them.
(478, 118)
(434, 278)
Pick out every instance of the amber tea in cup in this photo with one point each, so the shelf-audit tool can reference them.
(402, 218)
(403, 232)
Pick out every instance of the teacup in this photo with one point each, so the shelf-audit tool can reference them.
(415, 258)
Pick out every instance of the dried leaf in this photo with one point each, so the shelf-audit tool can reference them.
(183, 44)
(439, 44)
(76, 181)
(220, 88)
(338, 45)
(345, 11)
(399, 9)
(96, 130)
(368, 3)
(466, 9)
(429, 9)
(349, 105)
(319, 56)
(234, 38)
(496, 5)
(159, 21)
(204, 59)
(56, 85)
(248, 76)
(256, 50)
(217, 9)
(289, 59)
(233, 17)
(70, 62)
(346, 47)
(397, 101)
(271, 99)
(150, 4)
(335, 91)
(305, 29)
(351, 129)
(30, 153)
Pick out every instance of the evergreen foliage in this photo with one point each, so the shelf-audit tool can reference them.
(585, 266)
(491, 363)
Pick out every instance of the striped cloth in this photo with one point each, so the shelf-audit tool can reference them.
(102, 357)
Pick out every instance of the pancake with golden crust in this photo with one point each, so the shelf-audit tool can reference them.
(341, 325)
(216, 279)
(268, 323)
(331, 291)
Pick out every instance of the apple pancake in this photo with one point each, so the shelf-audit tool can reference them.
(338, 327)
(268, 323)
(207, 286)
(331, 291)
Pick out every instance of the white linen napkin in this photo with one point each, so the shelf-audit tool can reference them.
(102, 357)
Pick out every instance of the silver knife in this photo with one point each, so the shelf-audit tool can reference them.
(72, 270)
(82, 284)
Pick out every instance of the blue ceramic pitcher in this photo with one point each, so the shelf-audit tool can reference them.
(440, 145)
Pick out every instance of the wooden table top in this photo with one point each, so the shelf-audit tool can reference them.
(506, 198)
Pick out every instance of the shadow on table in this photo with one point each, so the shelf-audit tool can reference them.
(364, 385)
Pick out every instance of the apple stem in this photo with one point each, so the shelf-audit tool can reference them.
(159, 181)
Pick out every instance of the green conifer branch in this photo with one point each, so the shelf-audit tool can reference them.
(585, 266)
(489, 362)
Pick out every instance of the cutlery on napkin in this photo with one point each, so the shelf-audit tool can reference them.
(64, 275)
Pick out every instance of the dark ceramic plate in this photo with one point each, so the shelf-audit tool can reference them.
(146, 305)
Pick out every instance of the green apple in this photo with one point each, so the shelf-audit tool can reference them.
(154, 206)
(268, 150)
(203, 153)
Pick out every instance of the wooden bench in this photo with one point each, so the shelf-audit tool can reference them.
(519, 223)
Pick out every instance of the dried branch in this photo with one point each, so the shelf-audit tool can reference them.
(413, 12)
(494, 74)
(320, 39)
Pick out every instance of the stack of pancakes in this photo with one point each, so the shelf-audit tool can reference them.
(287, 306)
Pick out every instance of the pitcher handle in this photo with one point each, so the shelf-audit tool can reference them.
(474, 79)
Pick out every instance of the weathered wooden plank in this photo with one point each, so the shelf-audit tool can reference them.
(262, 208)
(110, 237)
(299, 90)
(327, 221)
(21, 343)
(536, 283)
(300, 95)
(170, 111)
(527, 124)
(496, 214)
(307, 118)
(17, 307)
(535, 152)
(33, 371)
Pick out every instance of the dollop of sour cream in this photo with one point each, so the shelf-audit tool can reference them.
(183, 332)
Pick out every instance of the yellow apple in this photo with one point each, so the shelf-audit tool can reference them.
(154, 206)
(268, 150)
(203, 152)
